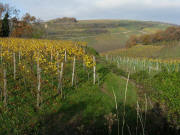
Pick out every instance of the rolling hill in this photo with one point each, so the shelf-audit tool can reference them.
(103, 35)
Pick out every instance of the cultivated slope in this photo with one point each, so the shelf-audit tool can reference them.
(103, 35)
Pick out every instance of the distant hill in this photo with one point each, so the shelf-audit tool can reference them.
(64, 20)
(103, 35)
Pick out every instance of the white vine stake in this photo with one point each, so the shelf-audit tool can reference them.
(94, 70)
(5, 89)
(74, 66)
(14, 60)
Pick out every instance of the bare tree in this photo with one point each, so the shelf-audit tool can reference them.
(6, 8)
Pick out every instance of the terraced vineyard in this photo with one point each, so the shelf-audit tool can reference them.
(102, 35)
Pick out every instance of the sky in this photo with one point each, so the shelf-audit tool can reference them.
(148, 10)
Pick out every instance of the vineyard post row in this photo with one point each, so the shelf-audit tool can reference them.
(8, 52)
(148, 64)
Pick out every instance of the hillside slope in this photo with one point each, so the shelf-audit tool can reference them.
(148, 51)
(42, 98)
(103, 35)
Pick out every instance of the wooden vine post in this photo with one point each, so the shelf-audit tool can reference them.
(106, 57)
(94, 70)
(118, 64)
(65, 56)
(51, 56)
(74, 66)
(157, 66)
(60, 74)
(19, 56)
(1, 53)
(1, 92)
(84, 64)
(14, 61)
(5, 89)
(38, 82)
(60, 79)
(59, 85)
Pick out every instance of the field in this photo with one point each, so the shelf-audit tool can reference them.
(102, 35)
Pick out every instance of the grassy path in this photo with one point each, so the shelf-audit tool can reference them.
(118, 84)
(89, 104)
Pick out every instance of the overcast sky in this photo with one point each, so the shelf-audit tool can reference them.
(153, 10)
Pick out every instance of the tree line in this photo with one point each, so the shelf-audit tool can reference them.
(11, 25)
(170, 34)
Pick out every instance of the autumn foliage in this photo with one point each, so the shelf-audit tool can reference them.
(24, 27)
(168, 35)
(11, 25)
